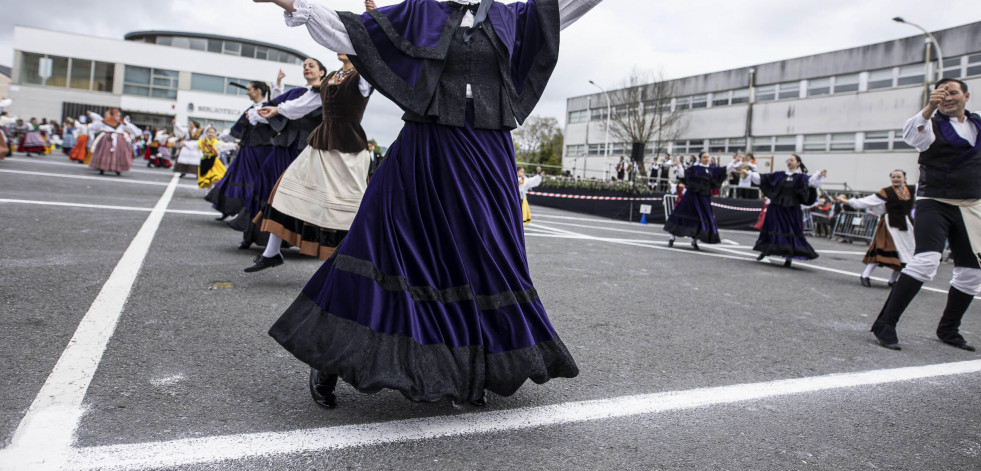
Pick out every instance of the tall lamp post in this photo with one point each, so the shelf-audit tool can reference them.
(606, 152)
(940, 54)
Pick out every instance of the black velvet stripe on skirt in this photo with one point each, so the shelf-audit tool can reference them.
(310, 239)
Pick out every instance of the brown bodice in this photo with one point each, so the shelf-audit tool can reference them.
(343, 108)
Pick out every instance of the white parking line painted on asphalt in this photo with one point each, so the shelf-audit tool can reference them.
(103, 206)
(102, 179)
(611, 221)
(191, 451)
(28, 160)
(44, 437)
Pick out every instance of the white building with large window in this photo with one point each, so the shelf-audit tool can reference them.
(841, 110)
(154, 76)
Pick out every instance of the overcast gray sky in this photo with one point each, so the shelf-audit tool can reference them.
(677, 38)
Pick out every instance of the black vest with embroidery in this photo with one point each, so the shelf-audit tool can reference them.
(939, 178)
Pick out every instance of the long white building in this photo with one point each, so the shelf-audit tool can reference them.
(154, 76)
(841, 110)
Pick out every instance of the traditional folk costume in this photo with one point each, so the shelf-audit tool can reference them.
(32, 142)
(289, 140)
(4, 143)
(211, 170)
(783, 226)
(234, 192)
(80, 151)
(189, 157)
(164, 143)
(430, 293)
(111, 149)
(693, 216)
(948, 209)
(525, 184)
(893, 244)
(68, 140)
(314, 202)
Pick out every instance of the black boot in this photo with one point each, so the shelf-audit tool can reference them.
(322, 389)
(957, 304)
(884, 327)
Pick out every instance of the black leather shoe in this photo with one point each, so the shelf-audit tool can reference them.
(761, 257)
(866, 282)
(261, 263)
(480, 401)
(119, 174)
(322, 389)
(961, 344)
(670, 243)
(892, 283)
(222, 218)
(245, 245)
(890, 346)
(788, 263)
(102, 172)
(694, 244)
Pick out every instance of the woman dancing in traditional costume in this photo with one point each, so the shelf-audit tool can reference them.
(112, 150)
(693, 216)
(429, 294)
(314, 202)
(190, 155)
(234, 192)
(526, 184)
(893, 244)
(783, 226)
(211, 170)
(290, 139)
(32, 142)
(80, 152)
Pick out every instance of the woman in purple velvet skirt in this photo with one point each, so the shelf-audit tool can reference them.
(783, 226)
(693, 216)
(429, 294)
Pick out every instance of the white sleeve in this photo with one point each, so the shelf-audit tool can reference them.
(226, 146)
(869, 202)
(815, 181)
(135, 131)
(754, 177)
(531, 182)
(365, 87)
(919, 140)
(254, 118)
(96, 119)
(300, 106)
(323, 24)
(180, 130)
(571, 10)
(277, 91)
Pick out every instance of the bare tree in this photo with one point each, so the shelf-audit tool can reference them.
(536, 133)
(642, 114)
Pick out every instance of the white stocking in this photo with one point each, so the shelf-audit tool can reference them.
(868, 270)
(272, 247)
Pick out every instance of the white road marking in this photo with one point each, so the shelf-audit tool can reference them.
(44, 437)
(101, 179)
(168, 380)
(730, 242)
(186, 452)
(611, 221)
(166, 173)
(103, 206)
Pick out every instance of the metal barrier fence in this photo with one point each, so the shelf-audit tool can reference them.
(808, 222)
(855, 226)
(669, 202)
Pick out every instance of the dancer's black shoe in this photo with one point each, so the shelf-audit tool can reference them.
(102, 172)
(694, 244)
(670, 243)
(245, 245)
(950, 322)
(322, 389)
(761, 257)
(866, 282)
(788, 262)
(480, 401)
(261, 263)
(118, 174)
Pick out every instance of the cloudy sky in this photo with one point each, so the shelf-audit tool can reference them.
(678, 39)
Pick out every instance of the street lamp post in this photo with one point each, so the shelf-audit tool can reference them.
(936, 44)
(606, 152)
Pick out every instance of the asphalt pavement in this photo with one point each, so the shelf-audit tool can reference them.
(689, 359)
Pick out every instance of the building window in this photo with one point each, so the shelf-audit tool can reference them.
(81, 74)
(740, 96)
(720, 98)
(699, 101)
(207, 83)
(144, 81)
(683, 103)
(598, 114)
(974, 65)
(763, 144)
(233, 48)
(580, 116)
(261, 53)
(785, 144)
(910, 75)
(878, 140)
(881, 79)
(717, 145)
(30, 68)
(737, 144)
(102, 76)
(199, 44)
(789, 90)
(165, 40)
(816, 143)
(696, 146)
(767, 93)
(843, 141)
(817, 87)
(897, 141)
(578, 150)
(679, 147)
(181, 42)
(952, 68)
(623, 110)
(846, 83)
(59, 72)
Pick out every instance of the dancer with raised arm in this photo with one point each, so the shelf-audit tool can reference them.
(783, 226)
(429, 294)
(693, 216)
(112, 150)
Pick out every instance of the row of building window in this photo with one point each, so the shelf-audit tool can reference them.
(67, 72)
(212, 83)
(834, 142)
(957, 67)
(219, 46)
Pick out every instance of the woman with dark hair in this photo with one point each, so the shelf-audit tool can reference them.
(189, 156)
(693, 216)
(893, 244)
(315, 200)
(290, 139)
(112, 150)
(430, 294)
(234, 192)
(782, 233)
(32, 142)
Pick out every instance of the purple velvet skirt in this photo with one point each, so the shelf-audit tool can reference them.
(693, 217)
(429, 294)
(234, 191)
(783, 234)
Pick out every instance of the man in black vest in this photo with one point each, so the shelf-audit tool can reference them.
(948, 208)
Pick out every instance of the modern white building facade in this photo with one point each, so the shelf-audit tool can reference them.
(843, 110)
(154, 76)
